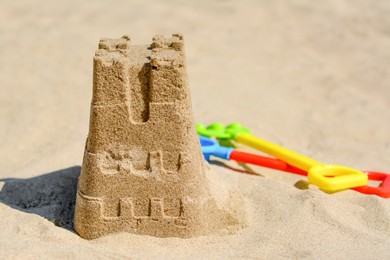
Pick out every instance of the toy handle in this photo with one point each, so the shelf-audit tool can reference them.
(384, 188)
(264, 162)
(295, 170)
(288, 156)
(257, 160)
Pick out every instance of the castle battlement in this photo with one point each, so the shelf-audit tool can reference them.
(122, 43)
(175, 42)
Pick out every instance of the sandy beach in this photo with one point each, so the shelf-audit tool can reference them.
(311, 76)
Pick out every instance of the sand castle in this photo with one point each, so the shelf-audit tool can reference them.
(143, 170)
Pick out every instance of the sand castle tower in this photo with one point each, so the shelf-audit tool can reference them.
(143, 170)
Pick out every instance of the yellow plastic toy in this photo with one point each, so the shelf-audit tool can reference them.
(328, 177)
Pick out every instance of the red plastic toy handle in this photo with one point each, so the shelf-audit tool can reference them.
(292, 169)
(264, 162)
(384, 188)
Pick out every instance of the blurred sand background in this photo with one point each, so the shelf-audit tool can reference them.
(310, 75)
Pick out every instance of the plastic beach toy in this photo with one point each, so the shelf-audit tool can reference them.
(328, 177)
(384, 188)
(211, 147)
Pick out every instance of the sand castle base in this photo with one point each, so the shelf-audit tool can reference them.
(159, 216)
(143, 170)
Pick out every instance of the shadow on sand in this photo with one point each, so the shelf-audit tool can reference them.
(52, 195)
